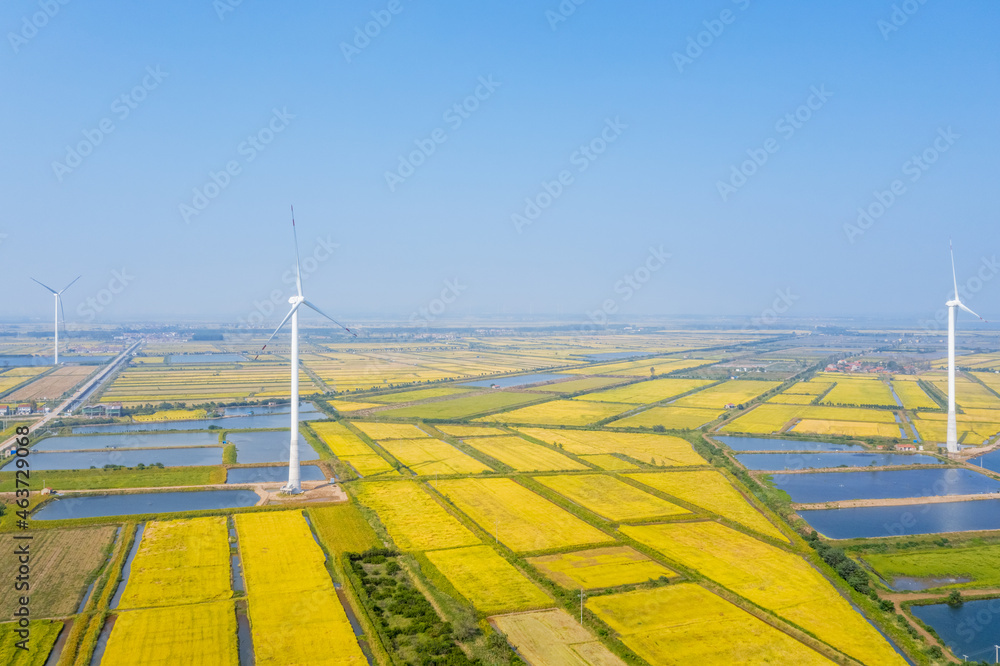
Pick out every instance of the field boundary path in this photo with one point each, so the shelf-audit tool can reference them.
(89, 386)
(895, 501)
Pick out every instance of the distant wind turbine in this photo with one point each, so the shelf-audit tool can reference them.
(953, 305)
(59, 308)
(294, 482)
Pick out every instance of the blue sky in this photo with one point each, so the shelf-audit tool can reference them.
(331, 121)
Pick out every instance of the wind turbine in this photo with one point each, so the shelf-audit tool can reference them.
(953, 305)
(59, 308)
(294, 483)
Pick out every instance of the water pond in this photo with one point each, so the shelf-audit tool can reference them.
(138, 503)
(42, 461)
(972, 629)
(521, 380)
(129, 441)
(883, 521)
(267, 447)
(272, 474)
(796, 461)
(768, 444)
(839, 486)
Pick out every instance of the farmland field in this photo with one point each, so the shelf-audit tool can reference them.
(352, 406)
(488, 581)
(575, 385)
(283, 565)
(771, 578)
(43, 637)
(712, 491)
(662, 365)
(425, 456)
(599, 568)
(522, 455)
(380, 431)
(735, 391)
(606, 461)
(414, 520)
(463, 407)
(933, 427)
(52, 385)
(792, 399)
(859, 392)
(63, 563)
(15, 376)
(151, 477)
(969, 394)
(686, 624)
(674, 418)
(179, 562)
(813, 388)
(191, 634)
(560, 412)
(912, 395)
(171, 415)
(554, 637)
(204, 383)
(980, 563)
(643, 393)
(343, 529)
(667, 450)
(846, 428)
(417, 394)
(523, 520)
(769, 418)
(350, 448)
(611, 498)
(470, 431)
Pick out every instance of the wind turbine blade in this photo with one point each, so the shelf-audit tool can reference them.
(330, 318)
(298, 275)
(62, 313)
(963, 306)
(46, 286)
(954, 277)
(71, 283)
(283, 321)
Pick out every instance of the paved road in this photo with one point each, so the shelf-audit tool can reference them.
(93, 384)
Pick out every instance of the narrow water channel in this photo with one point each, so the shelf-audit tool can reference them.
(127, 569)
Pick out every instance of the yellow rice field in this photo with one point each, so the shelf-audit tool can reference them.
(642, 393)
(204, 383)
(686, 624)
(15, 376)
(737, 392)
(645, 447)
(813, 388)
(971, 432)
(462, 431)
(710, 490)
(662, 365)
(791, 399)
(171, 415)
(574, 385)
(554, 637)
(611, 498)
(859, 391)
(773, 579)
(414, 520)
(380, 431)
(350, 448)
(913, 396)
(559, 412)
(428, 456)
(970, 394)
(769, 418)
(600, 568)
(291, 596)
(352, 405)
(488, 581)
(606, 461)
(522, 455)
(190, 634)
(178, 562)
(672, 418)
(523, 520)
(846, 428)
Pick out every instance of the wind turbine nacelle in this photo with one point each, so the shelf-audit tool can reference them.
(295, 300)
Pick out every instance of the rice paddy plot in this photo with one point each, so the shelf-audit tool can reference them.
(608, 462)
(576, 385)
(351, 449)
(642, 393)
(735, 392)
(63, 562)
(646, 367)
(464, 406)
(599, 568)
(672, 418)
(860, 392)
(792, 399)
(686, 624)
(412, 518)
(522, 455)
(812, 388)
(190, 634)
(52, 385)
(611, 498)
(769, 418)
(971, 394)
(710, 490)
(179, 562)
(846, 428)
(913, 396)
(553, 637)
(488, 581)
(427, 456)
(290, 594)
(773, 579)
(665, 450)
(43, 636)
(380, 431)
(973, 432)
(463, 431)
(417, 395)
(346, 406)
(343, 529)
(520, 519)
(560, 412)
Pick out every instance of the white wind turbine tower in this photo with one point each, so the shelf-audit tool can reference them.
(59, 308)
(294, 485)
(953, 305)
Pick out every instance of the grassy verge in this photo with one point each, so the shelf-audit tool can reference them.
(150, 477)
